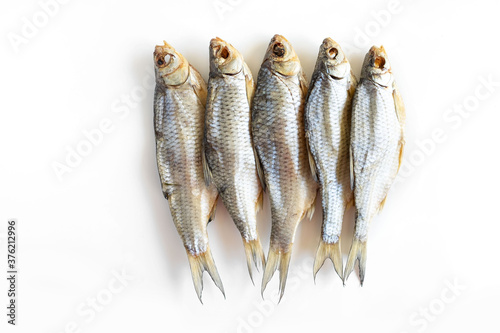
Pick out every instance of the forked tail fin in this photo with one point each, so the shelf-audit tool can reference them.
(200, 263)
(254, 252)
(357, 252)
(277, 259)
(332, 251)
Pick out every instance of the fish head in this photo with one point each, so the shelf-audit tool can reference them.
(171, 67)
(376, 67)
(281, 57)
(224, 58)
(333, 60)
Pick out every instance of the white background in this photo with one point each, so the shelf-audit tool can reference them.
(439, 227)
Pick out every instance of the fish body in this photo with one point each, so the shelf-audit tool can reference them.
(377, 142)
(230, 162)
(328, 127)
(279, 140)
(179, 115)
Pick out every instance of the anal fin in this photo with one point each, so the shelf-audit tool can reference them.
(309, 212)
(260, 202)
(382, 204)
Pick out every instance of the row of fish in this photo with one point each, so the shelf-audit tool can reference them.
(236, 138)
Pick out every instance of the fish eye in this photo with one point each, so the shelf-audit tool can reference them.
(279, 49)
(162, 61)
(333, 52)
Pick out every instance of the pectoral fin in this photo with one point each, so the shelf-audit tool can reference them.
(199, 85)
(398, 103)
(303, 83)
(250, 83)
(353, 83)
(401, 114)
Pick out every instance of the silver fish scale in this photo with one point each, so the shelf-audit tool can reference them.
(179, 122)
(376, 134)
(328, 118)
(228, 147)
(279, 138)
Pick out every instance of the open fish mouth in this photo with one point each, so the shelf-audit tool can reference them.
(226, 59)
(378, 59)
(219, 48)
(279, 49)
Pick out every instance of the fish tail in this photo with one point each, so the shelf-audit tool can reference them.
(277, 259)
(331, 251)
(203, 262)
(357, 252)
(254, 252)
